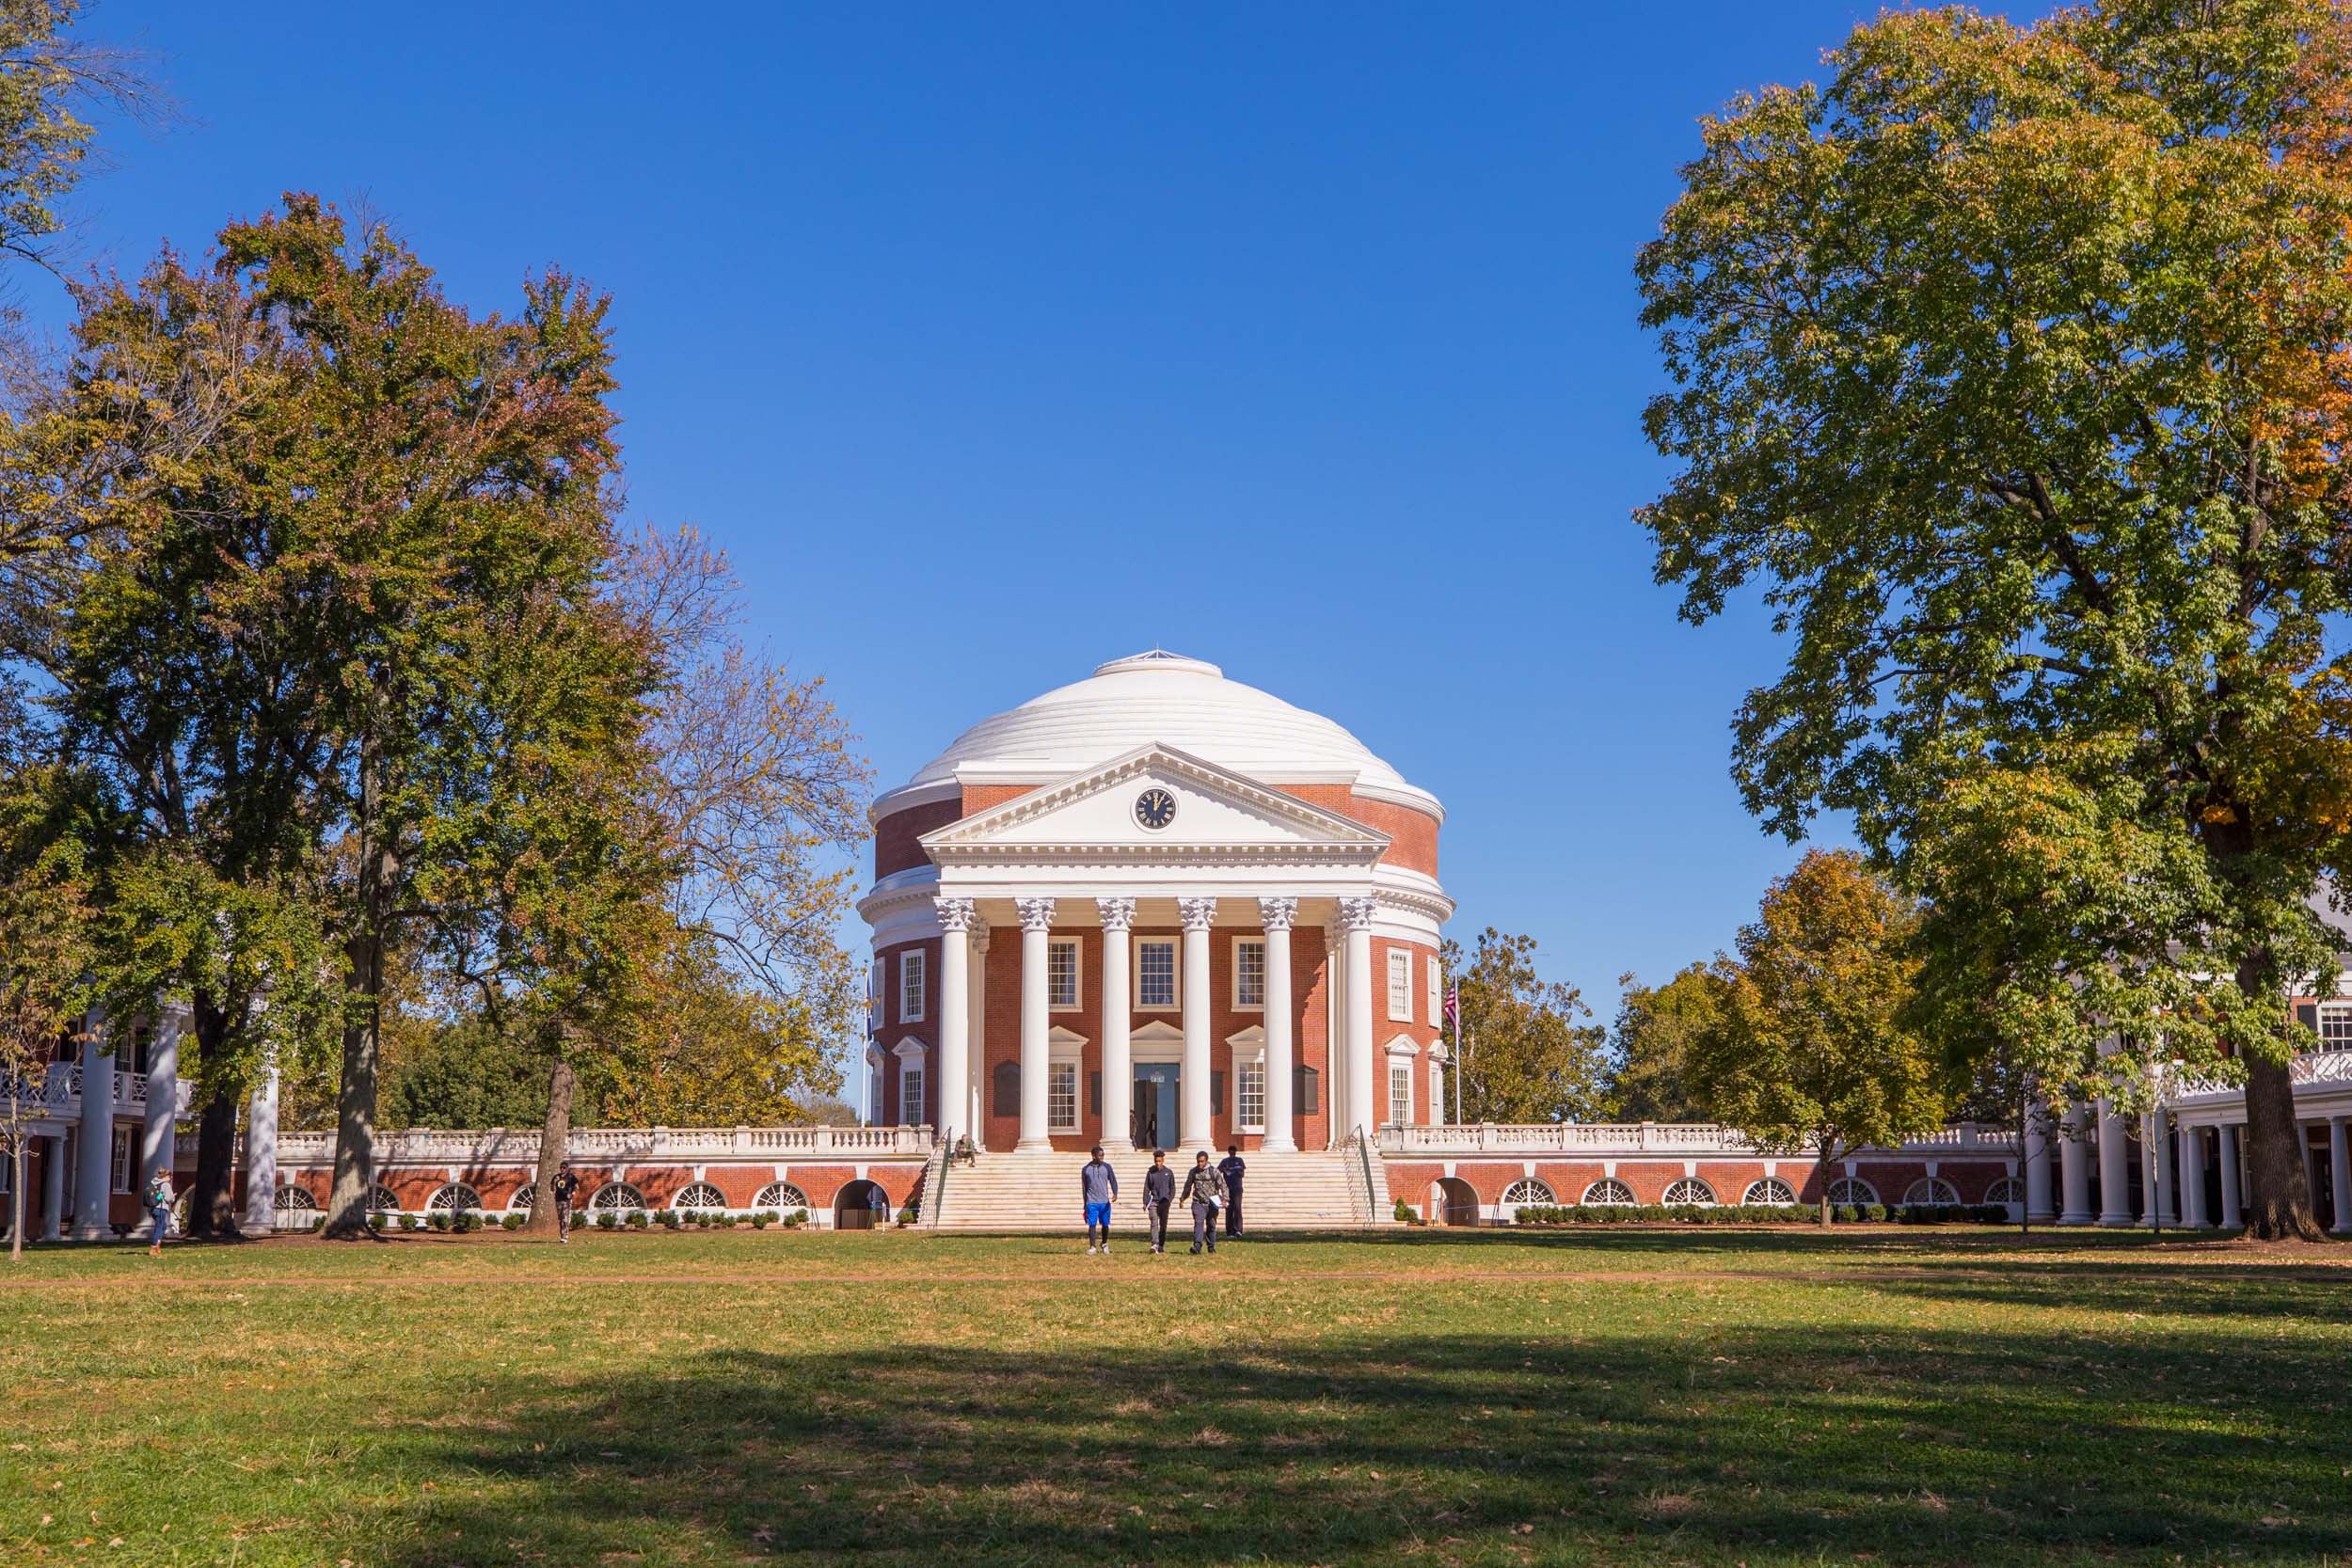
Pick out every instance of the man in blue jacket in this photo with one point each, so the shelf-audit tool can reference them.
(1231, 1168)
(1097, 1188)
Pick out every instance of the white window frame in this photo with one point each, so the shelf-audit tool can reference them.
(1058, 1069)
(1400, 984)
(1076, 949)
(914, 973)
(1400, 1076)
(1241, 1003)
(118, 1159)
(911, 1067)
(1175, 976)
(1434, 994)
(2338, 1017)
(1248, 1070)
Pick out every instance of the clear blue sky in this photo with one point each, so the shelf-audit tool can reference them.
(995, 341)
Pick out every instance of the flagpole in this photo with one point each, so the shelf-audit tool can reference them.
(1458, 1054)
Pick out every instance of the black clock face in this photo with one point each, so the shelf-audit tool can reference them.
(1155, 808)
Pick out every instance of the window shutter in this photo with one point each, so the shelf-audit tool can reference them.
(1303, 1089)
(1094, 1093)
(1216, 1094)
(2306, 1014)
(1007, 1097)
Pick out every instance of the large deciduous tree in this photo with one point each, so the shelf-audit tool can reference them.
(2013, 366)
(1649, 1076)
(45, 949)
(1810, 1045)
(1527, 1053)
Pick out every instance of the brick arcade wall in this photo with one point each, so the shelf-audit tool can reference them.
(1649, 1176)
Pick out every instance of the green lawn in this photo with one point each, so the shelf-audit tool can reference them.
(1602, 1397)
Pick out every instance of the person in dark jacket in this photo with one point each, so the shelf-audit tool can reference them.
(1230, 1167)
(1204, 1189)
(1159, 1192)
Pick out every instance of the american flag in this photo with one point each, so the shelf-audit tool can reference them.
(1454, 1002)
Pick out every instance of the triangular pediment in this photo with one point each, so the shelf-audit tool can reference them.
(1200, 808)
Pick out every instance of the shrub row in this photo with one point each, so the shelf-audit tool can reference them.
(1759, 1214)
(443, 1221)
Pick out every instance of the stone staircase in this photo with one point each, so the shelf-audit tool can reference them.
(1036, 1190)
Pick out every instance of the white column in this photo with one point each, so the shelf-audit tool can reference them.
(955, 1016)
(1037, 919)
(975, 1064)
(2340, 1175)
(1117, 1133)
(53, 1190)
(1355, 915)
(1193, 1121)
(93, 1173)
(2192, 1167)
(2074, 1170)
(2115, 1168)
(261, 1154)
(158, 1136)
(2038, 1207)
(1335, 1030)
(1281, 1055)
(2232, 1192)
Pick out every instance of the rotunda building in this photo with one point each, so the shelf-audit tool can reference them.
(1157, 907)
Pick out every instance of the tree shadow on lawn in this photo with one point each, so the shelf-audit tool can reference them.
(1720, 1443)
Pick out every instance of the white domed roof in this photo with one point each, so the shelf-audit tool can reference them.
(1172, 700)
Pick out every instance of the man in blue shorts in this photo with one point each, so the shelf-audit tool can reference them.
(1098, 1185)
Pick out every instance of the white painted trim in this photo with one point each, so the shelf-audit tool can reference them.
(1175, 945)
(920, 958)
(1077, 975)
(1394, 1015)
(1235, 946)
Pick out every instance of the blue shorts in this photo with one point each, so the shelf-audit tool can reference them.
(1099, 1213)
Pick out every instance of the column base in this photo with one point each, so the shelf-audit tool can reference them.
(2076, 1219)
(1119, 1146)
(1268, 1146)
(1020, 1145)
(2117, 1222)
(2045, 1217)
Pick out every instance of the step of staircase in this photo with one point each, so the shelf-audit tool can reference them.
(1034, 1190)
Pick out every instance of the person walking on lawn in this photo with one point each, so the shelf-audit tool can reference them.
(1230, 1167)
(158, 1205)
(564, 1186)
(1098, 1187)
(1159, 1192)
(1204, 1189)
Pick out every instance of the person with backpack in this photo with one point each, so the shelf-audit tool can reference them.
(1204, 1189)
(158, 1205)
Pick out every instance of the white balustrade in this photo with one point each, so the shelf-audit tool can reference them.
(422, 1145)
(1648, 1137)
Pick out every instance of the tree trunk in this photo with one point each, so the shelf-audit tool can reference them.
(552, 1139)
(212, 1196)
(1821, 1182)
(355, 1094)
(16, 1193)
(2278, 1206)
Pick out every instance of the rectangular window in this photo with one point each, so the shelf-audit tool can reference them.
(1400, 984)
(122, 1160)
(1249, 1097)
(1436, 991)
(1061, 975)
(913, 972)
(1062, 1097)
(2335, 1026)
(1249, 971)
(911, 1093)
(1400, 1092)
(1155, 974)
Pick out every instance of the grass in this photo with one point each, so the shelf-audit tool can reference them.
(1622, 1397)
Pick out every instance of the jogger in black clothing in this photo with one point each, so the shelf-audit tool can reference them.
(1230, 1167)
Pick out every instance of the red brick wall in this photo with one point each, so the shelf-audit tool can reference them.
(1410, 1179)
(896, 1027)
(895, 845)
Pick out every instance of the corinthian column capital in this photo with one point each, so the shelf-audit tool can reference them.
(1276, 914)
(1037, 915)
(1199, 914)
(1118, 915)
(955, 914)
(1356, 914)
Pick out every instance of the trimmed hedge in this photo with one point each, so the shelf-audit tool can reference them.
(1759, 1214)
